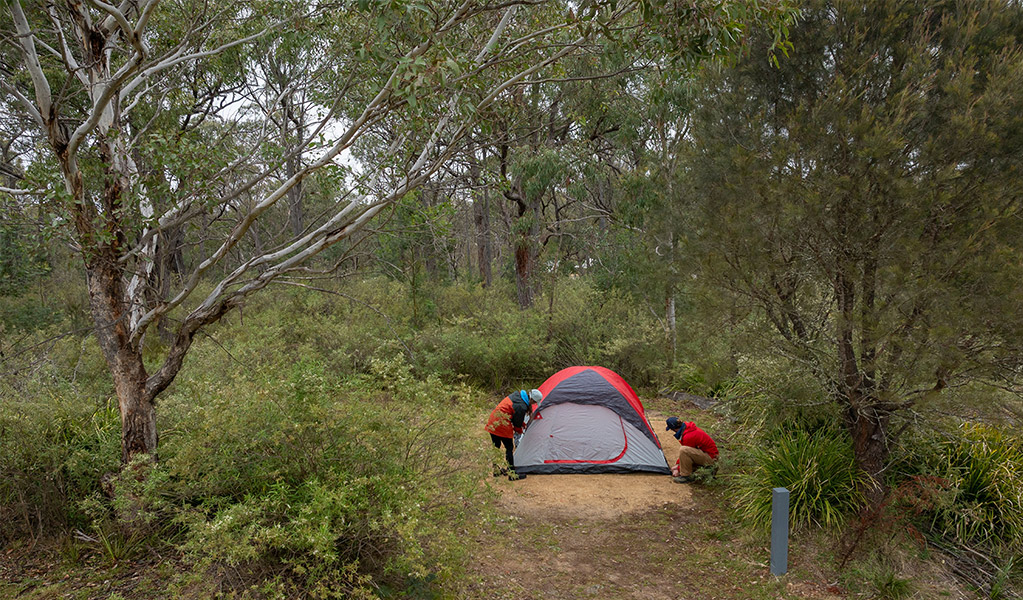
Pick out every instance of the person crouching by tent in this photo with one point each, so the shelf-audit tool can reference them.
(507, 420)
(698, 449)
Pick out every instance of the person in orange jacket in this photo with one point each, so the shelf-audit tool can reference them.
(509, 419)
(698, 448)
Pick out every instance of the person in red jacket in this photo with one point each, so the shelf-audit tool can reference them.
(509, 419)
(698, 449)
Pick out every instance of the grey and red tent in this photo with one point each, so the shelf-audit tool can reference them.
(589, 421)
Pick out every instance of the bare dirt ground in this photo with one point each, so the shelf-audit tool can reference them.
(599, 497)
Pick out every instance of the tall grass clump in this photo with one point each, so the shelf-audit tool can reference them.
(818, 470)
(983, 467)
(877, 579)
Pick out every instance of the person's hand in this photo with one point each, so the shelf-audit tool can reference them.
(674, 471)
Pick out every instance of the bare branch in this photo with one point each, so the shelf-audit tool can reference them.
(66, 55)
(32, 64)
(116, 16)
(25, 102)
(178, 58)
(21, 192)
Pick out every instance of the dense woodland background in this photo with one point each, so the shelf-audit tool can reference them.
(263, 266)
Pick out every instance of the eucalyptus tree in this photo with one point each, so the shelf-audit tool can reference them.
(146, 131)
(557, 158)
(865, 193)
(654, 199)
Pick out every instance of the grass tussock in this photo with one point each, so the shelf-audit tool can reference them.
(818, 470)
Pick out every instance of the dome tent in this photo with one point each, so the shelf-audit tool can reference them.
(589, 421)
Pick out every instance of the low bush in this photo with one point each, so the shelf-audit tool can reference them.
(772, 392)
(59, 432)
(53, 451)
(324, 488)
(485, 338)
(493, 349)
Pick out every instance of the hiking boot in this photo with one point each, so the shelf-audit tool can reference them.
(682, 479)
(498, 472)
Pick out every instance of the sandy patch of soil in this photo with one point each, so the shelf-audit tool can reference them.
(591, 497)
(605, 496)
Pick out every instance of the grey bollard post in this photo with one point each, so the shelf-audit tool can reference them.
(779, 531)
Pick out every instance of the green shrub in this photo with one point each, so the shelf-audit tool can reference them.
(59, 430)
(349, 487)
(773, 392)
(25, 313)
(485, 338)
(818, 470)
(493, 351)
(53, 450)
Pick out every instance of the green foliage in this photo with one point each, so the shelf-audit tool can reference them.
(53, 449)
(770, 393)
(494, 350)
(348, 486)
(299, 451)
(482, 336)
(25, 312)
(817, 469)
(59, 428)
(875, 227)
(691, 32)
(56, 299)
(984, 469)
(23, 256)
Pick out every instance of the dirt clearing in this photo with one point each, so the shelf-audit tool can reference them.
(591, 497)
(598, 496)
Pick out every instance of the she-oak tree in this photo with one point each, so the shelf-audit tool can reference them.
(865, 196)
(143, 127)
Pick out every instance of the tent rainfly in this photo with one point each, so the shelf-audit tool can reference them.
(589, 421)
